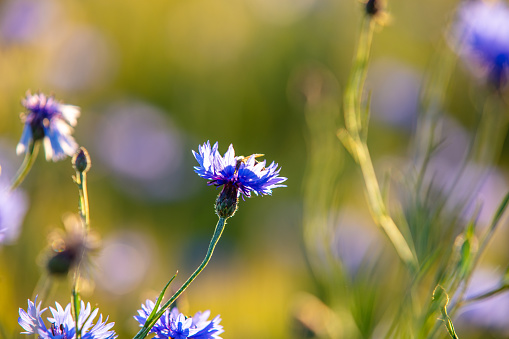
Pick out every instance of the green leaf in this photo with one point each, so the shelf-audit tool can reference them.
(159, 299)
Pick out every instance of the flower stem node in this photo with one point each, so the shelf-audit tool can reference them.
(81, 160)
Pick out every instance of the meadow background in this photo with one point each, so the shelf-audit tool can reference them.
(156, 79)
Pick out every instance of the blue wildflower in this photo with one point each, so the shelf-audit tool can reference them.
(13, 207)
(175, 325)
(481, 36)
(62, 323)
(50, 121)
(238, 174)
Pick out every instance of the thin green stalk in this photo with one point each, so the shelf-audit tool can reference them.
(25, 167)
(355, 144)
(81, 181)
(213, 242)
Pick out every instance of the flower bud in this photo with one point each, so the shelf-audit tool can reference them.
(372, 7)
(81, 160)
(227, 201)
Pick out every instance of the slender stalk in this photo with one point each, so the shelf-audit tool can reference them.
(213, 242)
(355, 144)
(81, 181)
(27, 164)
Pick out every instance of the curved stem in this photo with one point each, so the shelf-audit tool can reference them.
(25, 167)
(213, 242)
(356, 127)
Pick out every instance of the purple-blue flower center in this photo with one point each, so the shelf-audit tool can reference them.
(58, 331)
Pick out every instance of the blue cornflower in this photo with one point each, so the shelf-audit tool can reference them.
(481, 37)
(62, 323)
(175, 325)
(50, 121)
(238, 175)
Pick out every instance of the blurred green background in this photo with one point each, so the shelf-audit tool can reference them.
(156, 79)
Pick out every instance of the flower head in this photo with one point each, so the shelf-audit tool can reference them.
(238, 175)
(62, 323)
(481, 37)
(175, 325)
(50, 121)
(72, 247)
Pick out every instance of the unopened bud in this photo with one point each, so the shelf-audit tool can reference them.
(81, 160)
(227, 201)
(372, 7)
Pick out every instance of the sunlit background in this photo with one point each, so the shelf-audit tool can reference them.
(156, 79)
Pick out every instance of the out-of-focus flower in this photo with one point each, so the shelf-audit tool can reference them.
(62, 323)
(84, 59)
(124, 262)
(395, 88)
(50, 121)
(72, 247)
(490, 313)
(27, 21)
(143, 150)
(481, 37)
(13, 207)
(176, 325)
(237, 174)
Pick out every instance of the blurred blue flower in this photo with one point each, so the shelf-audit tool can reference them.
(13, 207)
(175, 325)
(62, 323)
(244, 174)
(51, 121)
(481, 36)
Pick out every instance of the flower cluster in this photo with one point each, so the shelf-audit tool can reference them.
(481, 37)
(62, 323)
(50, 121)
(175, 325)
(238, 174)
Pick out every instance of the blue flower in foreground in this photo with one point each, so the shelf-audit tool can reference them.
(62, 323)
(175, 325)
(237, 174)
(49, 121)
(481, 36)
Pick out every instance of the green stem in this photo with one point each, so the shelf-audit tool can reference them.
(213, 242)
(25, 167)
(81, 181)
(357, 146)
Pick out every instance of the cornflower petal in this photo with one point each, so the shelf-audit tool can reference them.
(175, 325)
(62, 323)
(245, 174)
